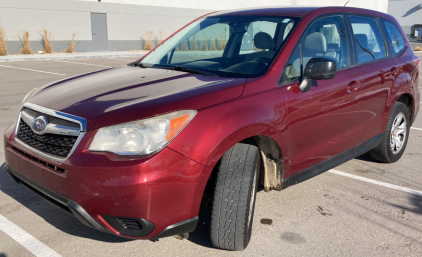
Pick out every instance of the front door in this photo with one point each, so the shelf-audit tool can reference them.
(99, 31)
(323, 121)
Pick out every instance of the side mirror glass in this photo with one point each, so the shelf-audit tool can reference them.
(318, 68)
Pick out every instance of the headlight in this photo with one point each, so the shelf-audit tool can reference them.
(141, 137)
(28, 95)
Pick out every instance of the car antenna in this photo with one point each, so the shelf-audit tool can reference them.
(346, 3)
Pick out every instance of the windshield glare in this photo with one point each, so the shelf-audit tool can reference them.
(227, 46)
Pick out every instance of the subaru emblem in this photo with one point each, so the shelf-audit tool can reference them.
(39, 124)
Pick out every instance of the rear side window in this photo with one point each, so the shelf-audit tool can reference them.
(369, 41)
(394, 37)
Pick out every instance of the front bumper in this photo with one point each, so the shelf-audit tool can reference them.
(52, 197)
(161, 193)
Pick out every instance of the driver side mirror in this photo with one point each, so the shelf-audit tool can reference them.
(318, 68)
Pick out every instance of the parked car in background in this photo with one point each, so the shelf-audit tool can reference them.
(269, 96)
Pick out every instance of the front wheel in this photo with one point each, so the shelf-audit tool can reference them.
(395, 138)
(234, 198)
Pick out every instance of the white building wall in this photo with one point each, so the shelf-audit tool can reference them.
(378, 5)
(407, 12)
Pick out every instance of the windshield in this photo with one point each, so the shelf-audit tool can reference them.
(226, 46)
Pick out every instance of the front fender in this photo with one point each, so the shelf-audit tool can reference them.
(214, 130)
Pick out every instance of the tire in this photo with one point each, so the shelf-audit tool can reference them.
(388, 151)
(234, 198)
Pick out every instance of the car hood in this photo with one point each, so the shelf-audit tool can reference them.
(129, 93)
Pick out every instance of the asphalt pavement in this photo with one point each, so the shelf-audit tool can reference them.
(365, 209)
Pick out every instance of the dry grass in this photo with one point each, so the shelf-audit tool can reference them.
(204, 46)
(221, 43)
(418, 48)
(148, 38)
(194, 45)
(213, 46)
(161, 36)
(72, 43)
(185, 46)
(46, 39)
(24, 40)
(3, 50)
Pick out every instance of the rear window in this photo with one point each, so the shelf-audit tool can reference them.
(394, 37)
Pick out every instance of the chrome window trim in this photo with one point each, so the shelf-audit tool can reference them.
(61, 115)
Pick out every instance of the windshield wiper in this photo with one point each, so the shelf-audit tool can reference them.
(195, 71)
(139, 64)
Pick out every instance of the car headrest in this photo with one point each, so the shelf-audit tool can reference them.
(263, 41)
(362, 39)
(315, 43)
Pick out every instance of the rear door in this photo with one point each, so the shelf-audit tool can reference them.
(323, 121)
(379, 75)
(397, 44)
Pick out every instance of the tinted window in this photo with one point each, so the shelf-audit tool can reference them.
(368, 39)
(325, 37)
(394, 37)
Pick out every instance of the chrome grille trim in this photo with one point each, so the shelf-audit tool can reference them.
(51, 128)
(54, 129)
(61, 115)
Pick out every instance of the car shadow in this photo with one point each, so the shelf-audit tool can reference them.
(201, 235)
(367, 158)
(51, 214)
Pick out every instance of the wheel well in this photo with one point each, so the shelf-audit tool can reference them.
(272, 166)
(408, 101)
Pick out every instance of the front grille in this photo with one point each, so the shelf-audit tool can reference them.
(54, 144)
(46, 164)
(130, 223)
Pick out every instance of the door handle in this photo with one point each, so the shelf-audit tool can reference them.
(353, 87)
(393, 71)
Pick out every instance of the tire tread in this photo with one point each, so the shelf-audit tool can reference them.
(231, 197)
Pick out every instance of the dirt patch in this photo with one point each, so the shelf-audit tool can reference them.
(266, 221)
(293, 238)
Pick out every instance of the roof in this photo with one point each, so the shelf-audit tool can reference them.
(266, 11)
(292, 11)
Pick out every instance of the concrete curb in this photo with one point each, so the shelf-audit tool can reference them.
(50, 57)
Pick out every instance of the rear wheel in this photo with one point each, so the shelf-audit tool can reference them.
(395, 138)
(234, 198)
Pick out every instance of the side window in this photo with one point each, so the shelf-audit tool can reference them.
(368, 39)
(394, 37)
(325, 37)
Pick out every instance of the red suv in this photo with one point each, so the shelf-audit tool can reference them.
(234, 99)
